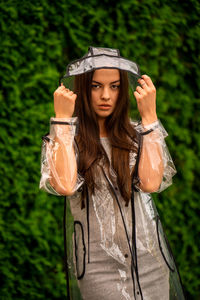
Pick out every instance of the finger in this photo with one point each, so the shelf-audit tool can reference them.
(143, 85)
(137, 95)
(140, 90)
(62, 85)
(74, 96)
(147, 80)
(70, 93)
(62, 88)
(58, 90)
(142, 82)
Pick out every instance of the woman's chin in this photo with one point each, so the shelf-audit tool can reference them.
(104, 114)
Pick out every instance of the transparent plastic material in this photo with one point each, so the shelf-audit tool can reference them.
(113, 251)
(97, 58)
(156, 153)
(99, 256)
(155, 158)
(58, 159)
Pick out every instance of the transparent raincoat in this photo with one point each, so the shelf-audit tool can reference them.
(112, 251)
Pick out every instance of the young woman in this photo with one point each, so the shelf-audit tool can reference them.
(107, 166)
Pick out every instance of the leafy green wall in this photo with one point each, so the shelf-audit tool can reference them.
(38, 39)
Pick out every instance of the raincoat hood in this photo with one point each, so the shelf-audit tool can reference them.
(101, 58)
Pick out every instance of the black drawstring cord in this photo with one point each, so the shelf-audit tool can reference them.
(170, 252)
(134, 246)
(65, 248)
(88, 222)
(79, 275)
(136, 180)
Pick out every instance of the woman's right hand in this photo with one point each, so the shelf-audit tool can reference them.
(64, 102)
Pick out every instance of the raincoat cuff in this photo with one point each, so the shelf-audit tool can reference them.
(64, 121)
(63, 127)
(140, 128)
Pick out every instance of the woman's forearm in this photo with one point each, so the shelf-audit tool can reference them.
(59, 165)
(63, 166)
(151, 164)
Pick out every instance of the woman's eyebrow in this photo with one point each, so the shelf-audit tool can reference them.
(101, 83)
(96, 81)
(115, 81)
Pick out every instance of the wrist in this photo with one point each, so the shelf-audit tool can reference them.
(60, 116)
(64, 120)
(62, 126)
(150, 120)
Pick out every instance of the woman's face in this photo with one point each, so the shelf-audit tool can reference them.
(105, 91)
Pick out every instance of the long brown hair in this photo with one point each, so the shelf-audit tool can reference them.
(121, 134)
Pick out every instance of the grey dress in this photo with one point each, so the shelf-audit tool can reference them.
(108, 275)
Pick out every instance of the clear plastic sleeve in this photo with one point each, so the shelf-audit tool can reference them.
(58, 160)
(156, 167)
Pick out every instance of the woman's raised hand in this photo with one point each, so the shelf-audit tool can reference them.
(64, 102)
(146, 100)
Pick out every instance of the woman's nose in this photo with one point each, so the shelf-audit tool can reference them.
(105, 94)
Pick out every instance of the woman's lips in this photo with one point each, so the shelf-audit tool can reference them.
(104, 106)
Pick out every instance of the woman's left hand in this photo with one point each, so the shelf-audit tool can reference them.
(146, 100)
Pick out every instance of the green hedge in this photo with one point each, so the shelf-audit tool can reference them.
(38, 39)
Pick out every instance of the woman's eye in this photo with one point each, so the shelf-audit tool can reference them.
(115, 86)
(95, 86)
